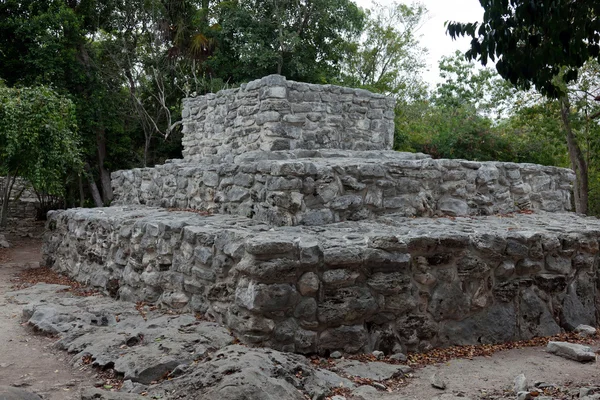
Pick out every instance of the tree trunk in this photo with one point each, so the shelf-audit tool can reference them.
(93, 187)
(107, 193)
(9, 181)
(81, 193)
(577, 160)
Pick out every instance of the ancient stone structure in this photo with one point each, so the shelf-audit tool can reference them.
(24, 202)
(290, 223)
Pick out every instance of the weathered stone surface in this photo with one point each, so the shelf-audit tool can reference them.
(585, 330)
(12, 393)
(438, 381)
(377, 371)
(573, 351)
(99, 394)
(205, 362)
(520, 383)
(341, 287)
(143, 350)
(299, 188)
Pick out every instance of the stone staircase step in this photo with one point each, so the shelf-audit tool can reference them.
(391, 282)
(320, 187)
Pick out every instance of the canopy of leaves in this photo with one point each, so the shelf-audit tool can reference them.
(474, 114)
(531, 40)
(389, 58)
(304, 40)
(38, 139)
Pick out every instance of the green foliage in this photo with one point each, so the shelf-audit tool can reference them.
(531, 40)
(303, 40)
(474, 114)
(38, 139)
(389, 59)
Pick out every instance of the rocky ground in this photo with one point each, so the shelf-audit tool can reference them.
(63, 341)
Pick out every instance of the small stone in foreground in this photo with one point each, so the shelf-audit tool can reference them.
(438, 382)
(520, 383)
(399, 357)
(376, 370)
(336, 355)
(572, 351)
(379, 354)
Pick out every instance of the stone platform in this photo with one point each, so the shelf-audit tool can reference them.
(351, 286)
(321, 238)
(320, 187)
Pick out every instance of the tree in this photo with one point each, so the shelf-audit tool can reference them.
(304, 40)
(38, 141)
(389, 58)
(533, 40)
(475, 114)
(542, 43)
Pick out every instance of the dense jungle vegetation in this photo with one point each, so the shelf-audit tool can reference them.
(88, 87)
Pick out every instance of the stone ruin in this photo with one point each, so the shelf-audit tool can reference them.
(23, 203)
(292, 222)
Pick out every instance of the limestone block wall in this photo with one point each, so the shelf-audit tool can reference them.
(357, 286)
(26, 204)
(339, 186)
(273, 113)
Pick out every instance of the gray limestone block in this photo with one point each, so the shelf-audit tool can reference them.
(572, 351)
(495, 324)
(535, 316)
(346, 305)
(264, 298)
(578, 306)
(350, 339)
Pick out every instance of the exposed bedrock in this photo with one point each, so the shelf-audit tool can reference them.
(350, 286)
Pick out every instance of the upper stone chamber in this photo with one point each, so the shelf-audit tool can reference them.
(272, 113)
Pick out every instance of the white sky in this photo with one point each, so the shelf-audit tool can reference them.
(433, 33)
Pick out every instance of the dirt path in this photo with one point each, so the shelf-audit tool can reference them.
(28, 360)
(491, 377)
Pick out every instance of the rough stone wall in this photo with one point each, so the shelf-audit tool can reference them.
(338, 186)
(27, 203)
(353, 286)
(273, 113)
(279, 163)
